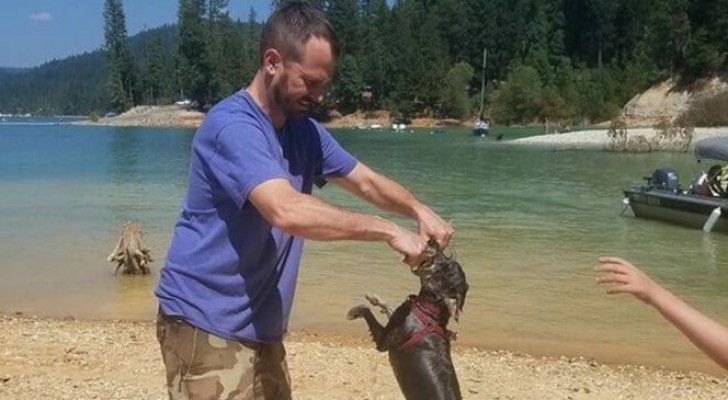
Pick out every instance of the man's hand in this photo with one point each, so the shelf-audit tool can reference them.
(627, 278)
(411, 245)
(431, 226)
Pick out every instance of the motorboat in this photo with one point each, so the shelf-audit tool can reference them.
(703, 204)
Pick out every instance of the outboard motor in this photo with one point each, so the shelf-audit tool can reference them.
(665, 179)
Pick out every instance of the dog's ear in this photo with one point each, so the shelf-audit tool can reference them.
(455, 305)
(461, 299)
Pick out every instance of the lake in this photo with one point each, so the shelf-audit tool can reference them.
(530, 223)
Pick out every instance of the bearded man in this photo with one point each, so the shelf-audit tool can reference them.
(228, 281)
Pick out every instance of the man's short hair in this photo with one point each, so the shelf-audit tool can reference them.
(291, 26)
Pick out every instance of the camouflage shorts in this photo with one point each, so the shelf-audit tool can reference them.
(203, 366)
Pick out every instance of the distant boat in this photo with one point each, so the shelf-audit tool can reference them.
(481, 128)
(399, 127)
(482, 125)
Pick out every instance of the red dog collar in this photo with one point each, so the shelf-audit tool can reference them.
(427, 313)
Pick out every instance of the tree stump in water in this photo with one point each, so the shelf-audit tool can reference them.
(130, 252)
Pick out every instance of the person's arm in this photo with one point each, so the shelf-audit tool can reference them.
(708, 335)
(304, 215)
(389, 195)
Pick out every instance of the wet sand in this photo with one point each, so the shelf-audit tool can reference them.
(77, 359)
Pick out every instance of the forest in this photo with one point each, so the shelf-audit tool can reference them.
(561, 60)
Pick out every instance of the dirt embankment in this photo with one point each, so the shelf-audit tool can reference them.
(383, 119)
(668, 99)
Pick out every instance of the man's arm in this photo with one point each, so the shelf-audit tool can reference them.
(309, 217)
(389, 195)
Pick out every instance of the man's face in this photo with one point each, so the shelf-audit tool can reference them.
(301, 84)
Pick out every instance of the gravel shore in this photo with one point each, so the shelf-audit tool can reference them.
(171, 116)
(597, 138)
(175, 116)
(75, 359)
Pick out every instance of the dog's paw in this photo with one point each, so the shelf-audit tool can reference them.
(356, 312)
(375, 300)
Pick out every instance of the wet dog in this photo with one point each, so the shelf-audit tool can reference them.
(416, 336)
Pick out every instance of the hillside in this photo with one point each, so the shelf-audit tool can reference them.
(10, 71)
(73, 85)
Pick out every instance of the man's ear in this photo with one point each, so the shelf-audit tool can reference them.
(272, 61)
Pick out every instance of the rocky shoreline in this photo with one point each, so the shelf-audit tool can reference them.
(77, 359)
(175, 116)
(597, 138)
(171, 116)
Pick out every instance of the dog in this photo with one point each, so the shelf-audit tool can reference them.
(416, 335)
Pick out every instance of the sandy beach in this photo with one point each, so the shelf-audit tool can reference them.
(76, 359)
(597, 138)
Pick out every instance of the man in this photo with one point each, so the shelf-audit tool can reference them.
(228, 282)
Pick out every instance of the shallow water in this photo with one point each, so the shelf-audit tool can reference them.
(530, 224)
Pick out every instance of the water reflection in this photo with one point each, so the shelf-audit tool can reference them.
(710, 248)
(124, 149)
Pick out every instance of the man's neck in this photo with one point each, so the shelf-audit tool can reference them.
(258, 90)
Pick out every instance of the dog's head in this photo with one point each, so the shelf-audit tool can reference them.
(442, 276)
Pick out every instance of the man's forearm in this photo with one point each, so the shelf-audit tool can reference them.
(311, 218)
(389, 195)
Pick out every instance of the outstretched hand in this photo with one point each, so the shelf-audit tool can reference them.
(431, 226)
(625, 278)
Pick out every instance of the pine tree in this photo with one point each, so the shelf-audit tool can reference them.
(121, 72)
(374, 25)
(157, 83)
(194, 66)
(251, 46)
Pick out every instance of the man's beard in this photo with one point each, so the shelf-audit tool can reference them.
(290, 107)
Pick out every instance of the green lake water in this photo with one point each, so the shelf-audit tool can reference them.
(530, 223)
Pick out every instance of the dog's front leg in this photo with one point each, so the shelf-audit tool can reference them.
(377, 301)
(362, 311)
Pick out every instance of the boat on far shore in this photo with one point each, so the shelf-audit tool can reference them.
(481, 128)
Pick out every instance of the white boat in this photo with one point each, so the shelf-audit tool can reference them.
(481, 127)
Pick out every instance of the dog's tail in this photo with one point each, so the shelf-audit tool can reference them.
(357, 312)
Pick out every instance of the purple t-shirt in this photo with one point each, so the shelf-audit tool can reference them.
(228, 271)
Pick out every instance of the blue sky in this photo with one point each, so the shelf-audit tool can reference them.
(35, 31)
